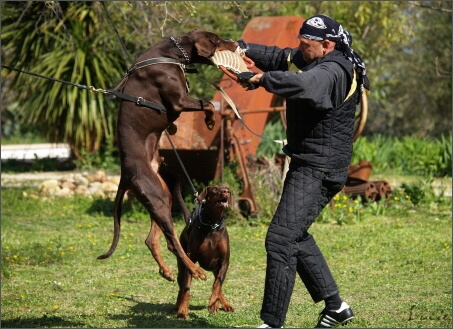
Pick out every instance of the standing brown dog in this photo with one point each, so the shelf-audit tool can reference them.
(205, 240)
(158, 78)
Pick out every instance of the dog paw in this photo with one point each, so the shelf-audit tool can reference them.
(172, 129)
(199, 274)
(209, 116)
(213, 309)
(167, 275)
(183, 313)
(209, 123)
(227, 308)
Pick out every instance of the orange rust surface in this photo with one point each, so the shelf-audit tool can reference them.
(192, 133)
(278, 31)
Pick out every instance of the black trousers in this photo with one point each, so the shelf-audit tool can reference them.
(290, 248)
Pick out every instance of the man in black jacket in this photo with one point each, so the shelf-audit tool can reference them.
(322, 81)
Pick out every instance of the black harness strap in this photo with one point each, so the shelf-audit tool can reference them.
(196, 219)
(157, 60)
(140, 101)
(131, 69)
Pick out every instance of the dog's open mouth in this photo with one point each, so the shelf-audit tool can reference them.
(223, 203)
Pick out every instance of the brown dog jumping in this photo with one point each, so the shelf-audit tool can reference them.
(154, 93)
(205, 240)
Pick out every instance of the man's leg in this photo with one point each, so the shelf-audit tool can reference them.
(298, 208)
(314, 271)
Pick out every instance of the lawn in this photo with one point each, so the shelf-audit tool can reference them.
(393, 265)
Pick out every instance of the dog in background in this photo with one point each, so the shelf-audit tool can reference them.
(158, 77)
(205, 240)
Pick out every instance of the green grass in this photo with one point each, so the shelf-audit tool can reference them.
(392, 264)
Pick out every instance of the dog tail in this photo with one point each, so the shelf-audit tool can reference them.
(178, 195)
(116, 221)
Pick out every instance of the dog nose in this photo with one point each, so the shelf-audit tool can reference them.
(224, 190)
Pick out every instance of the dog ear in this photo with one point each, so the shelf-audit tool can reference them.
(205, 46)
(199, 199)
(231, 202)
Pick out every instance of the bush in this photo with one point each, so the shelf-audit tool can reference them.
(409, 155)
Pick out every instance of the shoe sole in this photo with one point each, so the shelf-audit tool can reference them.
(342, 323)
(345, 322)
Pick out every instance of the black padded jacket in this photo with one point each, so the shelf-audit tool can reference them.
(321, 99)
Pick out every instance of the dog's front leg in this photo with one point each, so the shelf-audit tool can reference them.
(190, 104)
(217, 294)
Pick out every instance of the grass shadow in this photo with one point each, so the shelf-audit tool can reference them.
(105, 207)
(42, 322)
(149, 315)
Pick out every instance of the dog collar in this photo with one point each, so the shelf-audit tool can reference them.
(186, 56)
(197, 217)
(214, 227)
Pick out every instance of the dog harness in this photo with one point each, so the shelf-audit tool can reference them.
(196, 219)
(140, 101)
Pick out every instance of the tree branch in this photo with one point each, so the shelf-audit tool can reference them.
(421, 5)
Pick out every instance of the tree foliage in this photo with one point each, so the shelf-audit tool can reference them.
(63, 42)
(406, 46)
(415, 76)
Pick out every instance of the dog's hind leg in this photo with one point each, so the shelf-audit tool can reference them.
(151, 191)
(175, 247)
(152, 241)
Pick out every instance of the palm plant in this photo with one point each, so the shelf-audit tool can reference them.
(65, 42)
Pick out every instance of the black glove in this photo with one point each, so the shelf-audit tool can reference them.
(242, 44)
(243, 80)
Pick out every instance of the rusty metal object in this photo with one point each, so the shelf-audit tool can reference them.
(369, 191)
(358, 183)
(360, 172)
(204, 152)
(229, 139)
(366, 190)
(255, 106)
(384, 190)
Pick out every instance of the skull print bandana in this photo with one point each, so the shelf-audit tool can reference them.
(322, 27)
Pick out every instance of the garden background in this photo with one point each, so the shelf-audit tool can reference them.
(392, 258)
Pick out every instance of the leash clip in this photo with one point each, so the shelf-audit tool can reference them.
(92, 89)
(131, 69)
(139, 101)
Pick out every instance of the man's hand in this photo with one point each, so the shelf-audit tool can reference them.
(256, 78)
(249, 80)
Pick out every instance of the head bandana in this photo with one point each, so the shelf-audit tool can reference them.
(322, 27)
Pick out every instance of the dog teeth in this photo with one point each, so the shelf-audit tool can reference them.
(222, 203)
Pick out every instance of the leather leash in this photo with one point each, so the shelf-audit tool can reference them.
(235, 110)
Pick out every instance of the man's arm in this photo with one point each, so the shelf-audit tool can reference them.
(315, 85)
(267, 58)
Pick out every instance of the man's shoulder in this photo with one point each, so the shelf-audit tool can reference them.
(337, 57)
(337, 64)
(333, 66)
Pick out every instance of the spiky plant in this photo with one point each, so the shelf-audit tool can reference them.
(65, 41)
